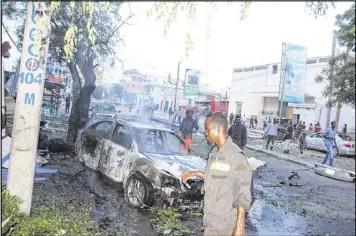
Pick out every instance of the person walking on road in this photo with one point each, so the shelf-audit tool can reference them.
(187, 126)
(227, 181)
(329, 142)
(231, 118)
(238, 132)
(251, 123)
(67, 104)
(271, 131)
(344, 130)
(255, 121)
(288, 137)
(170, 112)
(310, 128)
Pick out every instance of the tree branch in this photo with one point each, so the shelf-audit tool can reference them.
(105, 42)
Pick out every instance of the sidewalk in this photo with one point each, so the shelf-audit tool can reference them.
(281, 156)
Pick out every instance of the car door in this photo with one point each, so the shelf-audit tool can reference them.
(319, 142)
(117, 154)
(93, 141)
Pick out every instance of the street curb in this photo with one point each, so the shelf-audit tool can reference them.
(280, 156)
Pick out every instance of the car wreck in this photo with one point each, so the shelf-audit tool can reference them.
(147, 161)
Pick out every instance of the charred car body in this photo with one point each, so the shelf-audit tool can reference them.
(148, 161)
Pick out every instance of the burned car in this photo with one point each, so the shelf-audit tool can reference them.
(148, 161)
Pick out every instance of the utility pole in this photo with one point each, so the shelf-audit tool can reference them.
(226, 103)
(176, 88)
(29, 103)
(328, 113)
(282, 80)
(337, 115)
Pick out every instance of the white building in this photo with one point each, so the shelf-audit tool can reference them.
(255, 92)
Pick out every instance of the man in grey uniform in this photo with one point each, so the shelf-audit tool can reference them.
(227, 181)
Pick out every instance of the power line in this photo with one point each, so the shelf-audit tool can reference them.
(10, 36)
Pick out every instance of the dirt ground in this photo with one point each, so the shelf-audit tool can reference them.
(320, 206)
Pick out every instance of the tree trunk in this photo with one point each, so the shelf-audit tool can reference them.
(81, 96)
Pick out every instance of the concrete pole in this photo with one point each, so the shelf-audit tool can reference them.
(176, 87)
(282, 80)
(337, 115)
(328, 112)
(28, 104)
(226, 103)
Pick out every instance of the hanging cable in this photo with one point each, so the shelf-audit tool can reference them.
(10, 36)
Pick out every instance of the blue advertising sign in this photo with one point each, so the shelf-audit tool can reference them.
(191, 85)
(295, 72)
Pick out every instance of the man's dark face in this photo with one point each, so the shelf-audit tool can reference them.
(237, 120)
(333, 125)
(210, 132)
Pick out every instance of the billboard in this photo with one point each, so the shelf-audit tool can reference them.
(191, 85)
(56, 72)
(294, 60)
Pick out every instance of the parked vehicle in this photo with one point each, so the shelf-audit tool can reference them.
(148, 161)
(100, 111)
(345, 145)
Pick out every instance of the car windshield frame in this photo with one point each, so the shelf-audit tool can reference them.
(137, 130)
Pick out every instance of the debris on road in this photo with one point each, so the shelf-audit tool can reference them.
(334, 173)
(294, 174)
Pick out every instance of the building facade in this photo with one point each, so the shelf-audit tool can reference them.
(255, 92)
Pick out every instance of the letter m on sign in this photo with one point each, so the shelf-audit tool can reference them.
(29, 98)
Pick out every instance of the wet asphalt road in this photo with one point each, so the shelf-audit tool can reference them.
(321, 206)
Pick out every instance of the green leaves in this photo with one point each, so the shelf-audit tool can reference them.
(244, 10)
(189, 46)
(70, 39)
(340, 73)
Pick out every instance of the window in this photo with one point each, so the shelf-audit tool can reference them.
(122, 136)
(261, 68)
(321, 60)
(102, 129)
(249, 69)
(274, 69)
(237, 70)
(311, 61)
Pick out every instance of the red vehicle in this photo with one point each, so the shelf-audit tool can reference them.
(216, 106)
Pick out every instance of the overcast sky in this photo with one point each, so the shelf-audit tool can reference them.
(234, 43)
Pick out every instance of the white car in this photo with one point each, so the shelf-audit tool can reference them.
(345, 145)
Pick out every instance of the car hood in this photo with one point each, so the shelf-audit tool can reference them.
(177, 164)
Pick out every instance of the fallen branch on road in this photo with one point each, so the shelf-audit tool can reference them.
(76, 175)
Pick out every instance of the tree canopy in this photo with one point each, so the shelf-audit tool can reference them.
(340, 73)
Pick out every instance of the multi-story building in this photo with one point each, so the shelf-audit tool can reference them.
(134, 86)
(255, 92)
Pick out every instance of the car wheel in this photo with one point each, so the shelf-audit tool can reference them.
(138, 191)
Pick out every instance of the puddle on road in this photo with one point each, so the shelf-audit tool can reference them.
(265, 219)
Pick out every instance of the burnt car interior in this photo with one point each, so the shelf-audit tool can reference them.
(160, 142)
(122, 136)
